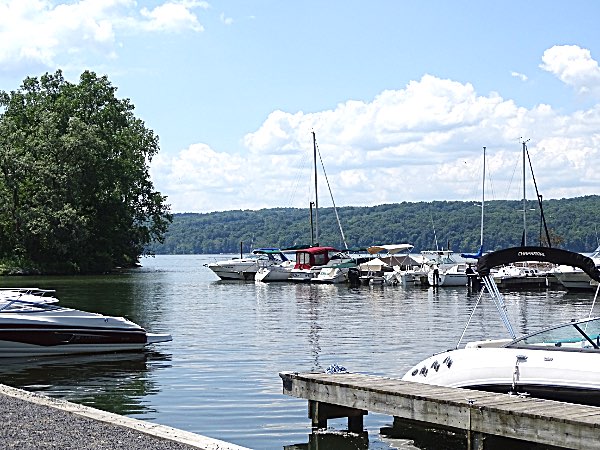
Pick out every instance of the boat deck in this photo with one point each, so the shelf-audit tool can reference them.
(477, 413)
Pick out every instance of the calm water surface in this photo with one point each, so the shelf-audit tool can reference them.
(219, 375)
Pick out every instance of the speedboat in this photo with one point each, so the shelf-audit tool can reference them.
(374, 271)
(573, 278)
(454, 275)
(337, 270)
(316, 264)
(34, 328)
(522, 276)
(309, 262)
(560, 362)
(246, 268)
(395, 266)
(277, 272)
(444, 269)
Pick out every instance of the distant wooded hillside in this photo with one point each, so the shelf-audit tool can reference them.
(572, 224)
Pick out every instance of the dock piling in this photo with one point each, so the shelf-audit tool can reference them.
(477, 415)
(319, 412)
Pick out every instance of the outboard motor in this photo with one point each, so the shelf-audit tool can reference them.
(354, 277)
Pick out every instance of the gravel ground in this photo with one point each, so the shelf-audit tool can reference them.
(27, 423)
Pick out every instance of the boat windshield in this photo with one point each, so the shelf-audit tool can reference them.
(19, 306)
(583, 334)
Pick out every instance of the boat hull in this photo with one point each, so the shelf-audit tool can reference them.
(233, 272)
(448, 279)
(539, 373)
(575, 280)
(63, 331)
(331, 275)
(272, 274)
(302, 276)
(11, 349)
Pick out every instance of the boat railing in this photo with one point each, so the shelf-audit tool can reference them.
(18, 305)
(28, 290)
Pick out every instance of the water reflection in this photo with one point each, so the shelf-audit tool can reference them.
(114, 382)
(219, 375)
(333, 441)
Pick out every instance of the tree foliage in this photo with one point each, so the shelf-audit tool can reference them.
(75, 192)
(426, 225)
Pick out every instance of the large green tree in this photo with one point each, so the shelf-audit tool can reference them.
(75, 191)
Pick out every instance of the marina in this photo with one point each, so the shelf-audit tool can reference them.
(218, 377)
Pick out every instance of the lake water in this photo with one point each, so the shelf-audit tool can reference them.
(219, 375)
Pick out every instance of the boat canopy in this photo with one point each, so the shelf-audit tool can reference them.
(295, 247)
(315, 250)
(373, 265)
(266, 251)
(477, 255)
(543, 254)
(391, 248)
(270, 252)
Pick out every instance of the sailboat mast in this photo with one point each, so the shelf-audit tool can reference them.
(482, 197)
(316, 196)
(524, 200)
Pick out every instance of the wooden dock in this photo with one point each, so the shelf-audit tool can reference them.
(478, 414)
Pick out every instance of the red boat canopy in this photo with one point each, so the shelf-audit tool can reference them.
(312, 256)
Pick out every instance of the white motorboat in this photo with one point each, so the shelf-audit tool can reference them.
(573, 278)
(309, 262)
(318, 264)
(521, 276)
(560, 362)
(278, 272)
(395, 265)
(374, 271)
(34, 328)
(337, 270)
(246, 268)
(444, 269)
(454, 275)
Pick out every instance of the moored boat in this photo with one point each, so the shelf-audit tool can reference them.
(523, 276)
(245, 268)
(309, 262)
(560, 362)
(33, 328)
(274, 273)
(444, 269)
(573, 278)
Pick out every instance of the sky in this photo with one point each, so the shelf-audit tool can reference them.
(401, 95)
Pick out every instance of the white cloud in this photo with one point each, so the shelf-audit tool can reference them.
(226, 20)
(43, 32)
(171, 16)
(420, 143)
(574, 66)
(520, 76)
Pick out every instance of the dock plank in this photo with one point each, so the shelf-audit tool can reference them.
(534, 420)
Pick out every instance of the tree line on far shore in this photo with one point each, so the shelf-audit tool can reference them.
(571, 223)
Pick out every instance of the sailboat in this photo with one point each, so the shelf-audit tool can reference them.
(321, 264)
(524, 274)
(310, 260)
(480, 251)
